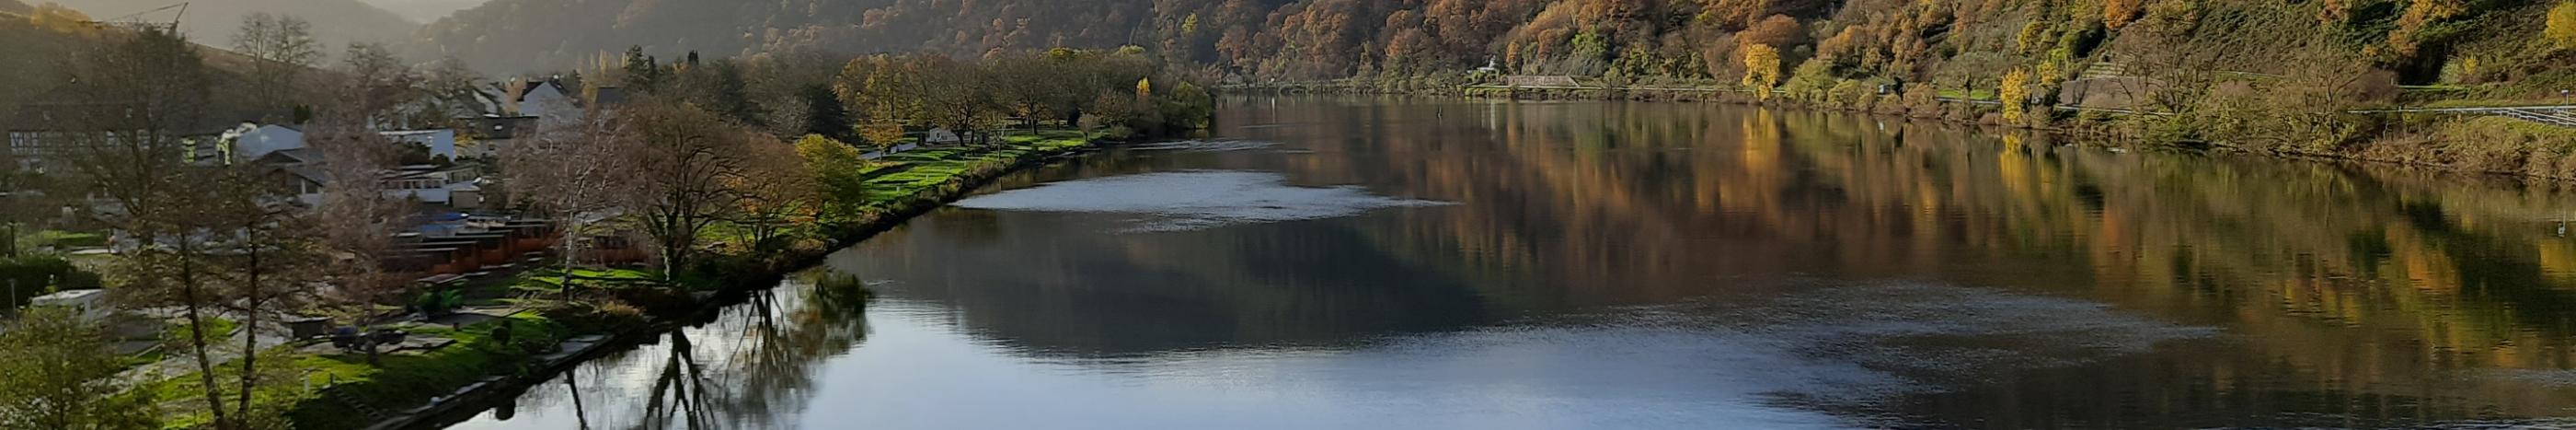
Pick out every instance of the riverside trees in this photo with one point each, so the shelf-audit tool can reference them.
(694, 157)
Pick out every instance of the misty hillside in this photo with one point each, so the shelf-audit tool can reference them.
(335, 22)
(423, 10)
(513, 35)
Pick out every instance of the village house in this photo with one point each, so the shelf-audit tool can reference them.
(493, 132)
(44, 130)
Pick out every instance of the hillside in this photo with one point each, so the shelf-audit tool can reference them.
(335, 22)
(522, 35)
(29, 63)
(42, 40)
(1953, 42)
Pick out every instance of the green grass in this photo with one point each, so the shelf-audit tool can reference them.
(550, 281)
(400, 381)
(1978, 94)
(216, 329)
(909, 174)
(62, 240)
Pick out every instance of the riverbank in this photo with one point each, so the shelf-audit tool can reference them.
(516, 342)
(2486, 145)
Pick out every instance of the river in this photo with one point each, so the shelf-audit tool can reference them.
(1368, 262)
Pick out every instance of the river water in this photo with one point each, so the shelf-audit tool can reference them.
(1356, 262)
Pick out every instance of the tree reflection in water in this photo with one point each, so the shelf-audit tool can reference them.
(751, 366)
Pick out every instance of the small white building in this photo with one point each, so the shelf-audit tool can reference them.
(90, 304)
(940, 136)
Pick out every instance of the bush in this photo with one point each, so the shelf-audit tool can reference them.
(34, 276)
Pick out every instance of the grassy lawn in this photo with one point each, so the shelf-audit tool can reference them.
(908, 174)
(62, 240)
(398, 382)
(549, 281)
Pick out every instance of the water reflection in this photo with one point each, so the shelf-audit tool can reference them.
(753, 366)
(1643, 264)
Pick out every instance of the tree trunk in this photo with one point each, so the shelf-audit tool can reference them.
(250, 335)
(189, 294)
(570, 227)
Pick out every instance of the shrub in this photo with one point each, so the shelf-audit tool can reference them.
(25, 278)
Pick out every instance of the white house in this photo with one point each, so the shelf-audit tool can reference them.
(547, 99)
(452, 185)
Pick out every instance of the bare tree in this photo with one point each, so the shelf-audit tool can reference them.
(264, 258)
(379, 83)
(446, 91)
(129, 144)
(285, 48)
(356, 217)
(569, 171)
(682, 173)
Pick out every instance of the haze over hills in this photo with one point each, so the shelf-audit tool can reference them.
(518, 35)
(424, 11)
(335, 22)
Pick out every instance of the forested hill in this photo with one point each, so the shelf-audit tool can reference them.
(1900, 40)
(335, 22)
(520, 35)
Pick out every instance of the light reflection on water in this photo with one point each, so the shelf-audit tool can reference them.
(1643, 265)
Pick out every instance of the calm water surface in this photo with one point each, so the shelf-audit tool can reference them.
(1426, 263)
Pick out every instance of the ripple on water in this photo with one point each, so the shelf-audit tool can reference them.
(1205, 145)
(1193, 200)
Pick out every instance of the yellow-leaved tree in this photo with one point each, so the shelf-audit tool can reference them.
(2562, 26)
(2015, 94)
(883, 134)
(1761, 69)
(1145, 92)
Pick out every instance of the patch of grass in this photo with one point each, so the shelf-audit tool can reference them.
(216, 329)
(1978, 94)
(398, 381)
(62, 240)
